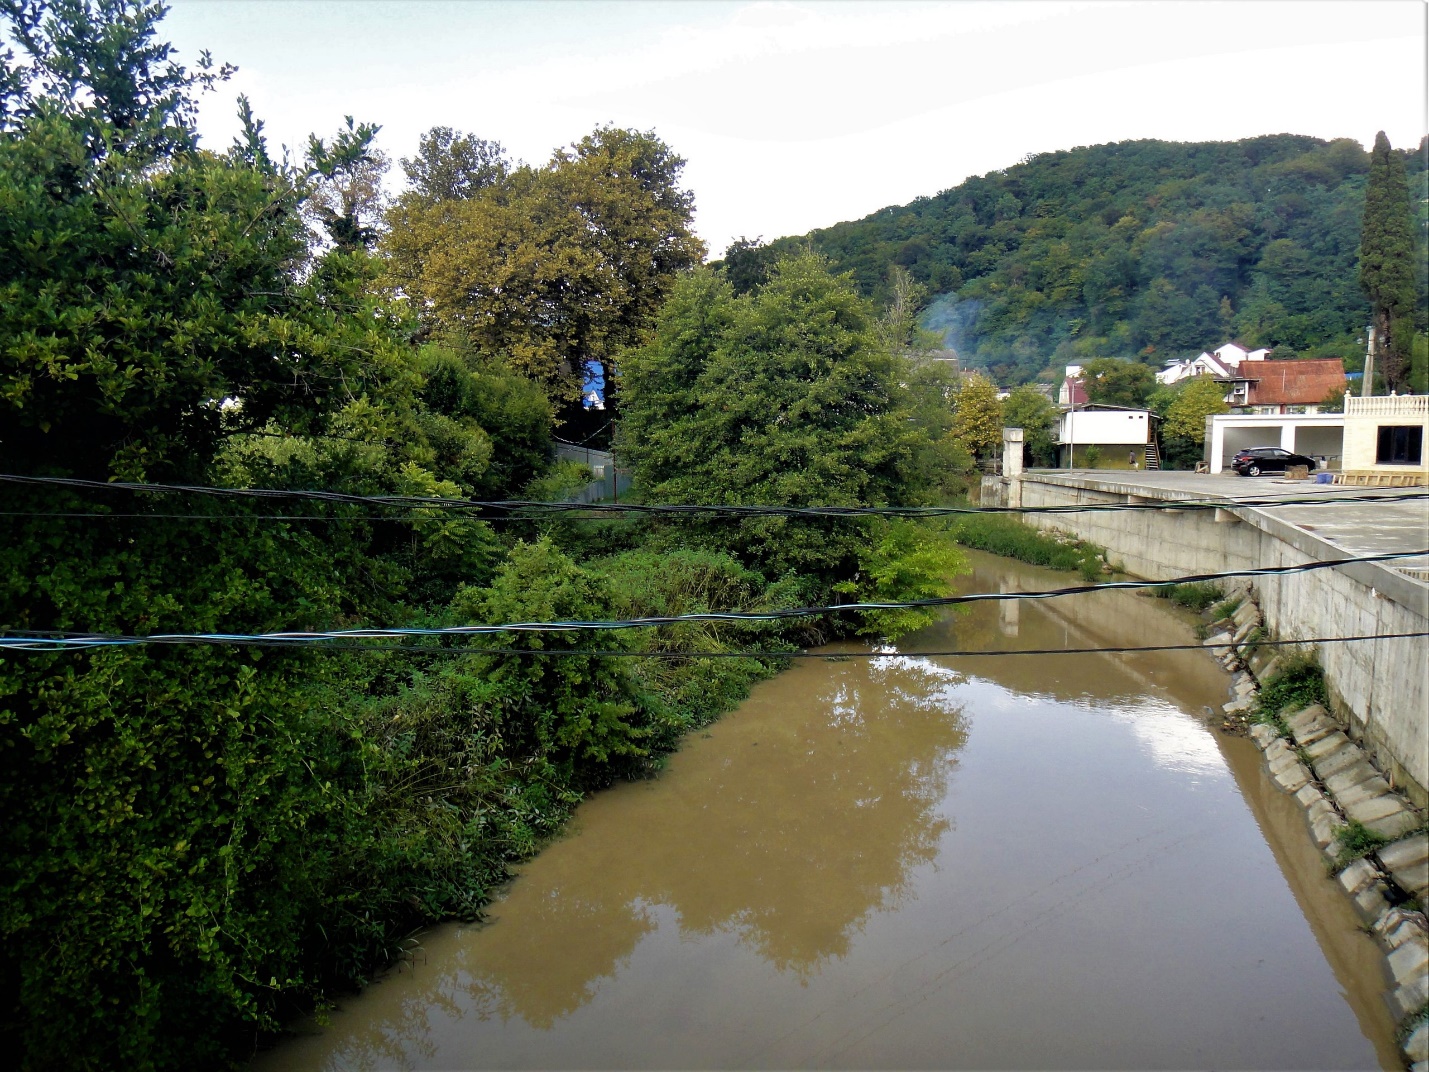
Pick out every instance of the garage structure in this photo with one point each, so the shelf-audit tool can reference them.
(1318, 435)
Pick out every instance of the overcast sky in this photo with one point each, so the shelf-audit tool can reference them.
(796, 115)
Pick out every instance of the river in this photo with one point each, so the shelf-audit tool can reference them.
(915, 862)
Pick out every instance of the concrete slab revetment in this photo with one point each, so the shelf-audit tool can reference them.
(1410, 962)
(1327, 745)
(1406, 853)
(1343, 759)
(1360, 772)
(1357, 794)
(1311, 725)
(1394, 825)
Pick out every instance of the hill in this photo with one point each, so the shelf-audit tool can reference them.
(1147, 249)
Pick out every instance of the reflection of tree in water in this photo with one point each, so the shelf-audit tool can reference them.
(808, 819)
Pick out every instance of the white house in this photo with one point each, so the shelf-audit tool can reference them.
(1119, 435)
(1223, 363)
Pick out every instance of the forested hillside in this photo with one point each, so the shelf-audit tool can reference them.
(1142, 248)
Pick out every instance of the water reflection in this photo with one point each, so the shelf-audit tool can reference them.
(795, 890)
(817, 824)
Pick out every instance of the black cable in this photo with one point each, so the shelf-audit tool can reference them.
(802, 654)
(541, 509)
(59, 640)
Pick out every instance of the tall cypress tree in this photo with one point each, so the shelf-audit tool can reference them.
(1387, 264)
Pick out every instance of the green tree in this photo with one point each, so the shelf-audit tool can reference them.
(545, 268)
(196, 837)
(1387, 264)
(781, 397)
(746, 263)
(1029, 409)
(977, 416)
(452, 166)
(1114, 382)
(1184, 430)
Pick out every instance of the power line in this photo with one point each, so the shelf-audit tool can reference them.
(833, 656)
(57, 641)
(695, 509)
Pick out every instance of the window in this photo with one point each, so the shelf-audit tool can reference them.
(1400, 444)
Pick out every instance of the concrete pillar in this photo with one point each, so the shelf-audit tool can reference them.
(1012, 439)
(1215, 444)
(1012, 465)
(1287, 436)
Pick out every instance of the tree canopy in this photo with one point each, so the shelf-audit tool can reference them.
(542, 269)
(1118, 383)
(784, 396)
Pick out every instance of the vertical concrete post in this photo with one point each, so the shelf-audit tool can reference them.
(1215, 445)
(1287, 436)
(1012, 464)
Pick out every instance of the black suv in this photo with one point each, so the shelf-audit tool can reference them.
(1256, 460)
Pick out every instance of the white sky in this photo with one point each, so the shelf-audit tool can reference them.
(795, 115)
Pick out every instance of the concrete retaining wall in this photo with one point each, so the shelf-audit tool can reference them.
(1378, 688)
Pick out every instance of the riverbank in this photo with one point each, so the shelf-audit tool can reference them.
(1373, 840)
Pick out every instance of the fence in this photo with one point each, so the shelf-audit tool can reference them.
(610, 480)
(1387, 406)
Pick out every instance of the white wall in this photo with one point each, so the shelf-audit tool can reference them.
(1104, 426)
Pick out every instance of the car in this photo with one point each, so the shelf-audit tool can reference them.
(1256, 460)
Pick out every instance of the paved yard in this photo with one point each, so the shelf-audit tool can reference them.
(1359, 528)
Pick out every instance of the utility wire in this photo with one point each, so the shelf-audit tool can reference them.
(539, 509)
(833, 656)
(58, 641)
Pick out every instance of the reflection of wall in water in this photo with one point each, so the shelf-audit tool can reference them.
(1009, 617)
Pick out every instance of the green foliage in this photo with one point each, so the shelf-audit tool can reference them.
(1225, 610)
(1183, 432)
(1029, 409)
(572, 712)
(542, 269)
(1355, 841)
(746, 264)
(1299, 683)
(688, 581)
(1003, 535)
(1197, 596)
(904, 562)
(1118, 383)
(1387, 263)
(977, 417)
(1140, 248)
(511, 412)
(781, 397)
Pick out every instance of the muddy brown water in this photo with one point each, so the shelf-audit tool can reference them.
(915, 862)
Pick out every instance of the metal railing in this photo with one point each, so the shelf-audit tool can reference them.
(1387, 406)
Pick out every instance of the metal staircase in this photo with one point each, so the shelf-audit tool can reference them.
(1153, 456)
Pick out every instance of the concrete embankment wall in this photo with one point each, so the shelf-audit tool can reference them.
(1378, 688)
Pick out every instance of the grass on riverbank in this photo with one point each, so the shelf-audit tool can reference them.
(1196, 596)
(1006, 536)
(1299, 683)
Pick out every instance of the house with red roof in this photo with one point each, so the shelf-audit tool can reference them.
(1297, 385)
